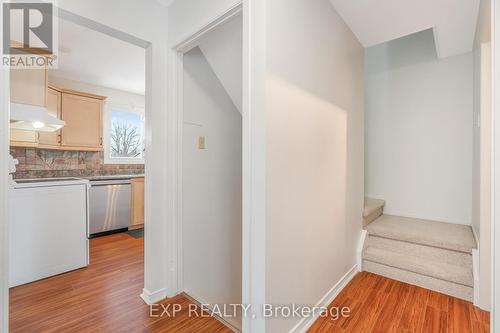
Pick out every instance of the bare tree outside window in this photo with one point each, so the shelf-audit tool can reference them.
(126, 140)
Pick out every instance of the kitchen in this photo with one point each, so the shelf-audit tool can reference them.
(76, 165)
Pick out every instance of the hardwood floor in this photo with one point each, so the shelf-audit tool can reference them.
(103, 297)
(383, 305)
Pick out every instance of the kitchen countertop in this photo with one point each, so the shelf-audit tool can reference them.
(61, 181)
(106, 177)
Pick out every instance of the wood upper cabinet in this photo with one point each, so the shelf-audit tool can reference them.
(137, 203)
(23, 138)
(82, 113)
(27, 86)
(83, 117)
(51, 139)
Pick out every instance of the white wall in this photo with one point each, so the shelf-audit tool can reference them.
(223, 50)
(113, 96)
(118, 13)
(188, 16)
(482, 148)
(419, 130)
(314, 153)
(212, 185)
(151, 26)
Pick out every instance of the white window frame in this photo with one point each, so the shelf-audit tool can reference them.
(108, 108)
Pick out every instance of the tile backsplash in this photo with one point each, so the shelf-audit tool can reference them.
(45, 163)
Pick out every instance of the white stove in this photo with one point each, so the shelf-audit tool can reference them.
(48, 228)
(46, 182)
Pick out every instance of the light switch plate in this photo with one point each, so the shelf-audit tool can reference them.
(201, 143)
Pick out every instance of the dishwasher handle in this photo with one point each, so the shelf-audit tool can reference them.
(109, 182)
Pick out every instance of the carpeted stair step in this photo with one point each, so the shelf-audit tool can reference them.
(442, 286)
(372, 210)
(448, 236)
(428, 267)
(422, 251)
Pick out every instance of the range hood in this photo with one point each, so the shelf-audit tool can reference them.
(33, 118)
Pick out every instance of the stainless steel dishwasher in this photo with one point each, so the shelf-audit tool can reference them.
(109, 206)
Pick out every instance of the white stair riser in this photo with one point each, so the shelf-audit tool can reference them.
(422, 251)
(445, 287)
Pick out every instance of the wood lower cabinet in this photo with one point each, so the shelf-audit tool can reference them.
(51, 139)
(137, 203)
(83, 117)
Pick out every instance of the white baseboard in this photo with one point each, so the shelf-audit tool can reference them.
(361, 247)
(478, 301)
(153, 297)
(307, 322)
(475, 275)
(475, 236)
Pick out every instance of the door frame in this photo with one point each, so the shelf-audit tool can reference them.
(4, 184)
(177, 62)
(253, 158)
(495, 207)
(5, 143)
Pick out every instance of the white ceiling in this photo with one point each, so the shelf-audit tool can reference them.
(376, 22)
(92, 57)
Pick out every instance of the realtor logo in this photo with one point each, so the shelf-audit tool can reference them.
(29, 38)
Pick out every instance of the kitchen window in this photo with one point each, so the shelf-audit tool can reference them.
(124, 135)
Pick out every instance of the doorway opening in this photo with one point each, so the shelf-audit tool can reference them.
(77, 200)
(428, 164)
(210, 118)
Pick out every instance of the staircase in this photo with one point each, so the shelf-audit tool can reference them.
(429, 254)
(373, 209)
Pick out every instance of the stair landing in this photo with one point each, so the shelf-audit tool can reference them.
(437, 234)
